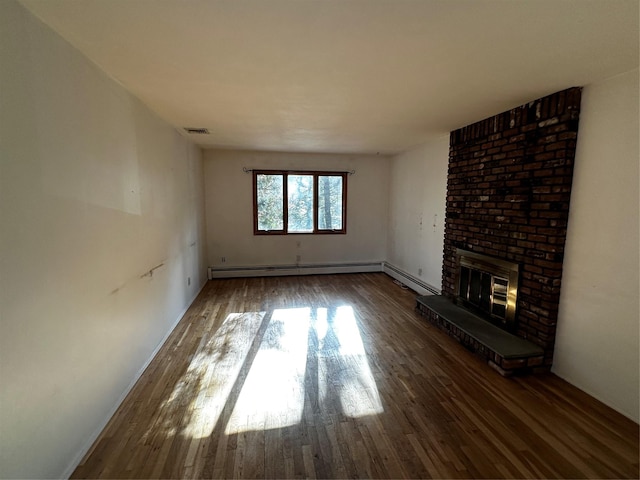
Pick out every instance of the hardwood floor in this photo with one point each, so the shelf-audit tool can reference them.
(336, 376)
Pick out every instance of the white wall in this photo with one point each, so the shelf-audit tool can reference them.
(95, 191)
(417, 202)
(597, 340)
(229, 211)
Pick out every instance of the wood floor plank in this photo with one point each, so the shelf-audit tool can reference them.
(273, 454)
(336, 376)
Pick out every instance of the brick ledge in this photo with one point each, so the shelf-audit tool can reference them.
(505, 353)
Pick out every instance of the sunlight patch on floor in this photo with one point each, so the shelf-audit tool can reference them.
(273, 392)
(357, 388)
(214, 369)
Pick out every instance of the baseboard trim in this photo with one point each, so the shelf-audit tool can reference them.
(284, 270)
(409, 280)
(94, 437)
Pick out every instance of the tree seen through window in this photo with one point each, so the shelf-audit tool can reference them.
(299, 202)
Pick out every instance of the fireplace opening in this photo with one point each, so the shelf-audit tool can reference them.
(489, 287)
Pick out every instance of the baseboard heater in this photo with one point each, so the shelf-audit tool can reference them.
(409, 280)
(283, 270)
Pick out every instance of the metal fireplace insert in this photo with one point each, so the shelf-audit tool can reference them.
(489, 287)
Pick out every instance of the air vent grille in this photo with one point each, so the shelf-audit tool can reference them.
(196, 131)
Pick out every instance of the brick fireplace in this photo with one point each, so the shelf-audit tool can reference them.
(508, 192)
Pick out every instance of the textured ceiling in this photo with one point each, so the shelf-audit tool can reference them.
(351, 76)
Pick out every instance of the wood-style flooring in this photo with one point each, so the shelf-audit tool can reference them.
(336, 376)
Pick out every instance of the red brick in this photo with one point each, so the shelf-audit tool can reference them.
(512, 364)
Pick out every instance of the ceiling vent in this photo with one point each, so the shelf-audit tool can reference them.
(197, 131)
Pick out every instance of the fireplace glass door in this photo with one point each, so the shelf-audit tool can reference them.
(488, 286)
(485, 291)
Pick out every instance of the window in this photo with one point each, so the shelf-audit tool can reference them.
(299, 202)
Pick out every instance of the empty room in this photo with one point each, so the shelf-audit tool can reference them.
(319, 239)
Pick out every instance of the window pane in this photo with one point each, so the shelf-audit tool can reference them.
(270, 191)
(300, 191)
(329, 202)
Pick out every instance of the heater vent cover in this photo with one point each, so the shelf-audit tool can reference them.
(196, 131)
